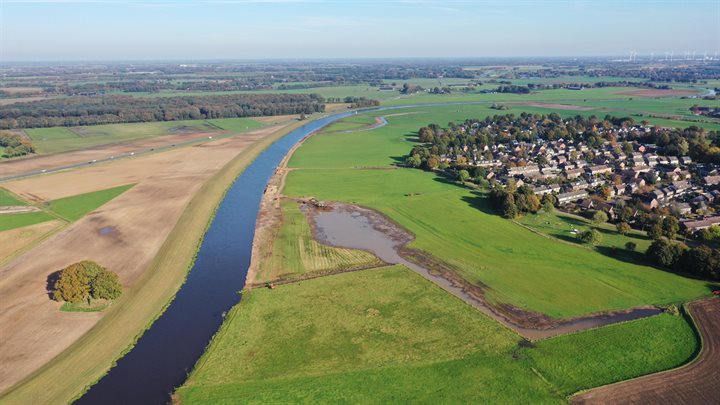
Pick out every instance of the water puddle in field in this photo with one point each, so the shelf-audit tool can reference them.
(348, 226)
(107, 230)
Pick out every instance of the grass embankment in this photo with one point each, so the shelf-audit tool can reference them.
(458, 226)
(64, 139)
(296, 253)
(12, 221)
(328, 340)
(88, 359)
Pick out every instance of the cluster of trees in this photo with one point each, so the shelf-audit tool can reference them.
(511, 202)
(702, 261)
(14, 145)
(73, 111)
(84, 281)
(511, 88)
(713, 112)
(410, 88)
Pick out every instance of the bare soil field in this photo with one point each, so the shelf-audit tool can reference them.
(15, 239)
(695, 383)
(124, 235)
(40, 162)
(657, 93)
(8, 101)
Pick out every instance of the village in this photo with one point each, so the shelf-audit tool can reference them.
(608, 177)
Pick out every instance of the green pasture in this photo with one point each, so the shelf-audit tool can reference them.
(8, 199)
(12, 221)
(77, 206)
(329, 339)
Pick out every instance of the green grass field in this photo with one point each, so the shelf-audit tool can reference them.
(597, 357)
(63, 139)
(77, 206)
(7, 199)
(12, 221)
(458, 226)
(330, 339)
(295, 252)
(560, 225)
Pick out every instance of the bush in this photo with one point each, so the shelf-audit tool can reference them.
(598, 217)
(590, 237)
(631, 246)
(84, 280)
(623, 228)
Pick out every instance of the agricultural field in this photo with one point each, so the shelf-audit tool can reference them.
(63, 139)
(76, 207)
(328, 339)
(13, 221)
(7, 199)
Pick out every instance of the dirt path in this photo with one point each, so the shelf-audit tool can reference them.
(124, 235)
(695, 383)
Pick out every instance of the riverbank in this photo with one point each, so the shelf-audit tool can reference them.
(66, 376)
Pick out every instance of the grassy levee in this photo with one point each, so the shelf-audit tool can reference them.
(67, 376)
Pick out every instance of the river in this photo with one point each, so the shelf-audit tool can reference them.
(168, 350)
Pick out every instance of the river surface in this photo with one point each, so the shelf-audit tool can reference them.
(167, 352)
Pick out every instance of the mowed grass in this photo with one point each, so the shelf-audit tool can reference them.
(295, 252)
(63, 139)
(323, 340)
(614, 353)
(561, 225)
(8, 199)
(389, 336)
(12, 221)
(77, 206)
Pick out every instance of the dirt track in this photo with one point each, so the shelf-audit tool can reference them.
(696, 383)
(135, 224)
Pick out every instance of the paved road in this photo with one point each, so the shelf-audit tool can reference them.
(696, 383)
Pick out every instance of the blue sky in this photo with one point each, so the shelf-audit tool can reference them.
(250, 29)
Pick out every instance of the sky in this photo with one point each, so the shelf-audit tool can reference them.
(76, 30)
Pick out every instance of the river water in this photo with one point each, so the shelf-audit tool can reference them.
(167, 351)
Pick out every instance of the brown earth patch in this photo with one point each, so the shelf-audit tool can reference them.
(32, 329)
(8, 101)
(657, 93)
(16, 239)
(695, 383)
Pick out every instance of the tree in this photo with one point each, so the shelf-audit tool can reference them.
(84, 280)
(664, 252)
(463, 176)
(590, 237)
(432, 163)
(599, 217)
(631, 246)
(623, 228)
(508, 207)
(703, 261)
(655, 231)
(670, 227)
(414, 161)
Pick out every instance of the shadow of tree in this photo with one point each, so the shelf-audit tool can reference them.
(52, 278)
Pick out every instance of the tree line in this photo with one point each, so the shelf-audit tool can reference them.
(75, 111)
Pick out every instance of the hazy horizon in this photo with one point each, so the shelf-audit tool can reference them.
(196, 30)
